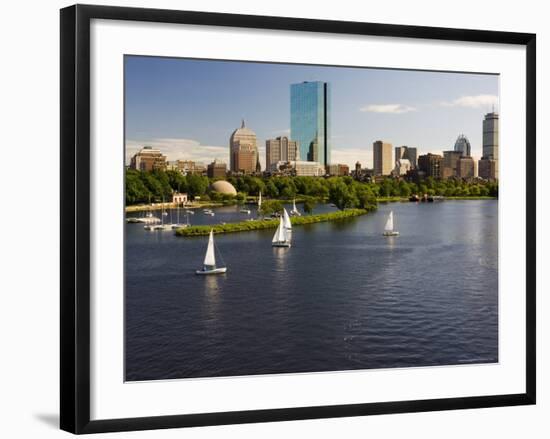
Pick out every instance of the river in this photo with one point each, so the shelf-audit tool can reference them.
(343, 297)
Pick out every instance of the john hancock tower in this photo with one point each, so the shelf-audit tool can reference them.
(310, 120)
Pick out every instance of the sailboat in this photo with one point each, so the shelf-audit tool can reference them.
(281, 237)
(294, 211)
(286, 220)
(209, 264)
(388, 228)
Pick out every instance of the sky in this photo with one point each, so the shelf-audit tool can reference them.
(189, 108)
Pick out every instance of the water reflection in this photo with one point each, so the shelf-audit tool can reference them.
(212, 294)
(280, 255)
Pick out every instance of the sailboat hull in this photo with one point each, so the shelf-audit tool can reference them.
(280, 244)
(214, 271)
(391, 234)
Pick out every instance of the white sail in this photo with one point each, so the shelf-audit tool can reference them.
(276, 235)
(210, 258)
(287, 223)
(389, 223)
(260, 200)
(280, 233)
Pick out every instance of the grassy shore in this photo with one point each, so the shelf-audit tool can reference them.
(245, 226)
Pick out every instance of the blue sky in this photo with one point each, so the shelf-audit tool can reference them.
(189, 108)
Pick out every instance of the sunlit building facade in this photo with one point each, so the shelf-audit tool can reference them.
(280, 149)
(382, 158)
(310, 110)
(148, 159)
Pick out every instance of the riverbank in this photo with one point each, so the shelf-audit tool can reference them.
(161, 206)
(253, 200)
(406, 199)
(245, 226)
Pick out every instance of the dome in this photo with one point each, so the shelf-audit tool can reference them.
(223, 187)
(462, 144)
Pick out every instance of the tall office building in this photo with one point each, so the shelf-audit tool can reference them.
(243, 151)
(490, 136)
(310, 109)
(382, 158)
(406, 152)
(462, 144)
(281, 149)
(488, 165)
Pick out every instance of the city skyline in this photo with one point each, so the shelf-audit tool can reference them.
(189, 108)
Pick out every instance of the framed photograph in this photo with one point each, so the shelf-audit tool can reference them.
(274, 218)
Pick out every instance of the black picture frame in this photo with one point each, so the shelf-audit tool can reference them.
(75, 217)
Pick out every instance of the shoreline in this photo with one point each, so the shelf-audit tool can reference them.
(261, 224)
(200, 205)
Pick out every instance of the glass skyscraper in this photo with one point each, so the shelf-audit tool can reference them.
(310, 120)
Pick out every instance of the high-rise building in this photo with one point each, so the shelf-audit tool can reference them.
(243, 151)
(382, 158)
(310, 110)
(216, 169)
(281, 149)
(462, 144)
(406, 152)
(148, 159)
(490, 136)
(430, 164)
(488, 165)
(465, 168)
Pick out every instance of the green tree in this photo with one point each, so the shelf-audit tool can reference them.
(342, 196)
(309, 205)
(197, 185)
(271, 206)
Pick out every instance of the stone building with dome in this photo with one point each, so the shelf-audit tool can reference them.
(243, 151)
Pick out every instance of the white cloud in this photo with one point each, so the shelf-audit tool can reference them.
(387, 108)
(182, 149)
(477, 101)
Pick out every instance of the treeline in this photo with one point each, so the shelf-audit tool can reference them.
(345, 192)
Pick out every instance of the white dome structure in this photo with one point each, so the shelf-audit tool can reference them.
(223, 187)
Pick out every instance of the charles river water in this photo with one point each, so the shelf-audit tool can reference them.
(342, 298)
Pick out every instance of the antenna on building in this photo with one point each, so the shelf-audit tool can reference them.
(242, 123)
